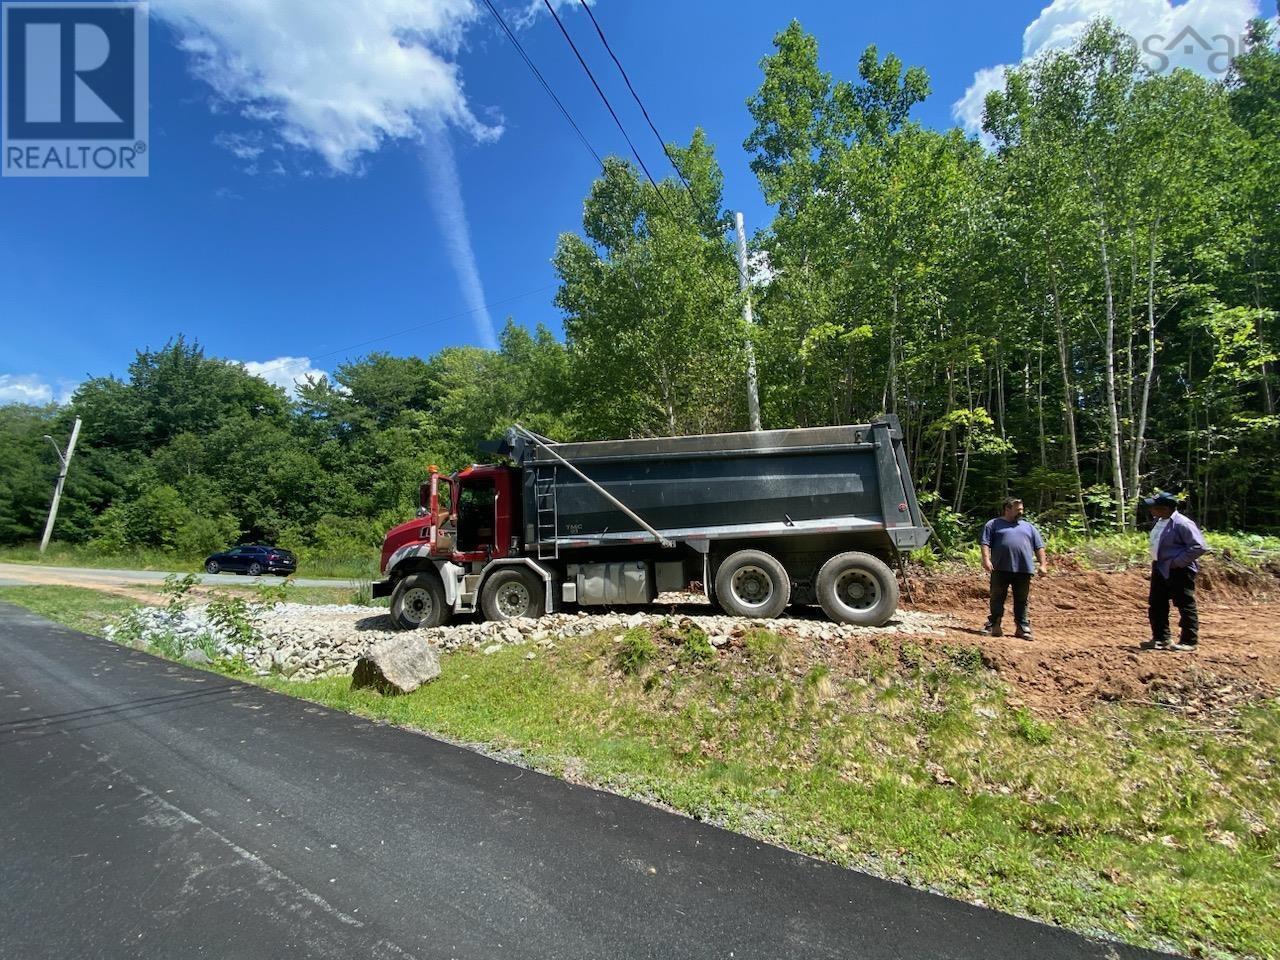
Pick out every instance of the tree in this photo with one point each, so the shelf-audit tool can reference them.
(651, 303)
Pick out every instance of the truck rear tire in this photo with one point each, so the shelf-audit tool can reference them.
(750, 583)
(418, 601)
(513, 593)
(857, 588)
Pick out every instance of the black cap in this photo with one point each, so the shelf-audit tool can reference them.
(1161, 500)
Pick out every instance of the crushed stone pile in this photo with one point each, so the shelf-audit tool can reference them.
(305, 641)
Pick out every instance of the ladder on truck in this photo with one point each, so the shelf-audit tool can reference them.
(548, 517)
(544, 478)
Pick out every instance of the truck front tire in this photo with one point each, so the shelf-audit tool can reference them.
(857, 588)
(750, 583)
(418, 601)
(513, 593)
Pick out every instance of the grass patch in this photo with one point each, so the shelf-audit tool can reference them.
(271, 593)
(77, 607)
(1155, 829)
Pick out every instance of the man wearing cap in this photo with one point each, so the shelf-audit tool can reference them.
(1010, 548)
(1176, 542)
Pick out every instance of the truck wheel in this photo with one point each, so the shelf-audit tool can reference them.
(859, 589)
(513, 593)
(750, 583)
(418, 601)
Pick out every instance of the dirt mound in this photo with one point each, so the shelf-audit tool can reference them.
(1088, 625)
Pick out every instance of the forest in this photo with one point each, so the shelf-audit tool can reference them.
(1078, 308)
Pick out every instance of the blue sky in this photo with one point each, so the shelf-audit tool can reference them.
(284, 231)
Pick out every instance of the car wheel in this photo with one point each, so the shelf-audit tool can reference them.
(512, 594)
(418, 601)
(857, 588)
(750, 583)
(212, 567)
(255, 569)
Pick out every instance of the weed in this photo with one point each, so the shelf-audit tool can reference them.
(967, 659)
(269, 593)
(766, 648)
(911, 655)
(695, 646)
(176, 590)
(235, 617)
(636, 650)
(1034, 731)
(362, 592)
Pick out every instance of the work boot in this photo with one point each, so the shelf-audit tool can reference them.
(991, 630)
(1155, 643)
(1183, 647)
(1023, 633)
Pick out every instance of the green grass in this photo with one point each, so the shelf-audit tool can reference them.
(910, 764)
(78, 555)
(83, 609)
(291, 594)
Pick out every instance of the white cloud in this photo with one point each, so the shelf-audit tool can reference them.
(332, 76)
(534, 9)
(968, 109)
(287, 372)
(242, 146)
(24, 388)
(342, 78)
(66, 390)
(1201, 35)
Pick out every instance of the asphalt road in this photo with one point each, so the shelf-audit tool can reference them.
(19, 574)
(152, 810)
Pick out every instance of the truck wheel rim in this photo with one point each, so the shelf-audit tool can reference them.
(752, 586)
(417, 604)
(857, 590)
(513, 600)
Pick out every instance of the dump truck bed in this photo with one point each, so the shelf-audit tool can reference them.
(844, 479)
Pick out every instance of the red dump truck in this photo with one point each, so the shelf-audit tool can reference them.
(762, 520)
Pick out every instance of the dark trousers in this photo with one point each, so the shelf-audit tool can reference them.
(1179, 588)
(1001, 581)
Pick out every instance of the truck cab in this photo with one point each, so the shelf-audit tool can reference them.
(467, 527)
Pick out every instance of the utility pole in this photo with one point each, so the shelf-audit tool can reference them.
(744, 284)
(62, 478)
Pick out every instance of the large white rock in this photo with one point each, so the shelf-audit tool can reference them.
(397, 664)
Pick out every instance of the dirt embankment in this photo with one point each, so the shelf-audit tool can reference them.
(1088, 626)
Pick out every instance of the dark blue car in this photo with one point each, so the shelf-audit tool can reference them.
(252, 560)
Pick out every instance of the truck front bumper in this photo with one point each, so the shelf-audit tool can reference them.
(383, 588)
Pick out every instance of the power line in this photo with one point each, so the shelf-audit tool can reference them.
(662, 143)
(542, 80)
(438, 320)
(634, 152)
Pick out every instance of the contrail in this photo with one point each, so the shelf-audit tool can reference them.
(446, 200)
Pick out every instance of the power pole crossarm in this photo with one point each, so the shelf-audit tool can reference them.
(65, 463)
(744, 284)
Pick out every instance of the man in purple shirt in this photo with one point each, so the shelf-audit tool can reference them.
(1176, 542)
(1010, 548)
